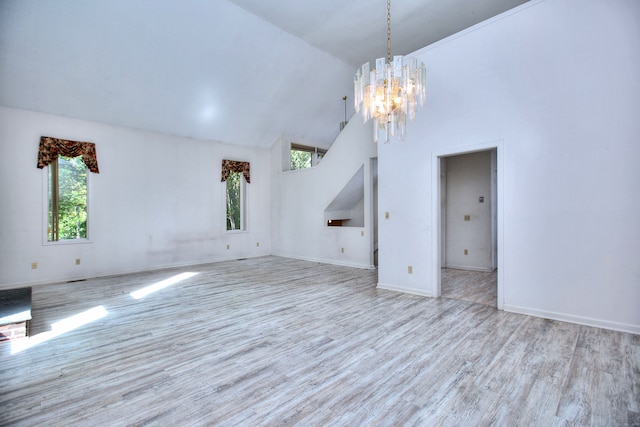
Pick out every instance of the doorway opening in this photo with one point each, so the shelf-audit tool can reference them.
(468, 228)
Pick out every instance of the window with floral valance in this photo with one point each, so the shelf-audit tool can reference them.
(68, 163)
(235, 193)
(50, 148)
(229, 166)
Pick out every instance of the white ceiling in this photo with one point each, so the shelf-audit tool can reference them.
(236, 71)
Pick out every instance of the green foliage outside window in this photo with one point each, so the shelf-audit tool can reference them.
(68, 202)
(234, 201)
(300, 159)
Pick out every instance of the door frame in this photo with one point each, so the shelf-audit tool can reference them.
(436, 241)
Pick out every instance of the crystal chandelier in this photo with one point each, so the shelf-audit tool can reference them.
(391, 91)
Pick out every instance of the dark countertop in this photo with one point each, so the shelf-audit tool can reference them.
(15, 305)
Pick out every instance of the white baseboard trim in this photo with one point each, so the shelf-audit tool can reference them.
(464, 267)
(97, 275)
(326, 261)
(403, 289)
(580, 320)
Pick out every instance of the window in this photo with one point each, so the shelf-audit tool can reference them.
(236, 175)
(236, 201)
(67, 199)
(68, 163)
(303, 156)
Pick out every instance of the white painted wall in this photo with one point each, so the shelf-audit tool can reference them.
(468, 177)
(157, 202)
(205, 69)
(348, 205)
(554, 86)
(357, 215)
(300, 198)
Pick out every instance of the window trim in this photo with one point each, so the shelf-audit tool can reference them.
(300, 147)
(45, 213)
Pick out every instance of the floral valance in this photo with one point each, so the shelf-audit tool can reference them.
(229, 166)
(51, 148)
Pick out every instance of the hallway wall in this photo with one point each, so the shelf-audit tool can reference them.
(468, 241)
(554, 86)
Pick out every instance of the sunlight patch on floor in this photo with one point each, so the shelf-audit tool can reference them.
(141, 293)
(59, 328)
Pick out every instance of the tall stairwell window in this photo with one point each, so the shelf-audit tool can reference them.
(236, 176)
(235, 195)
(68, 163)
(67, 199)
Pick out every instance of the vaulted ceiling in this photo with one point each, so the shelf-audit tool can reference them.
(236, 71)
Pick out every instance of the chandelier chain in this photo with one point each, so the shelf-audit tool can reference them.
(388, 31)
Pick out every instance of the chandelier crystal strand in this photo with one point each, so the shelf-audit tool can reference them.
(391, 91)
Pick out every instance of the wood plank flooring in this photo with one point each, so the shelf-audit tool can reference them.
(468, 285)
(275, 341)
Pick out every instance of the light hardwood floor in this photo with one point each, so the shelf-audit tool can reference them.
(467, 285)
(274, 341)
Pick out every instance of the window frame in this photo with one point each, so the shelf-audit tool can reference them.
(45, 211)
(244, 205)
(306, 149)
